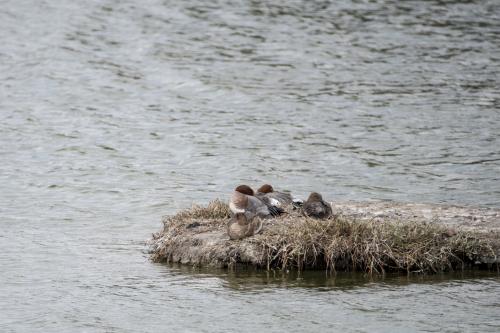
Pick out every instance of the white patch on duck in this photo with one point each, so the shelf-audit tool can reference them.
(274, 202)
(235, 209)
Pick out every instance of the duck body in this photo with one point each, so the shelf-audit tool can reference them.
(316, 207)
(240, 227)
(278, 198)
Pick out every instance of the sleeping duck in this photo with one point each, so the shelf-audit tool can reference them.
(316, 207)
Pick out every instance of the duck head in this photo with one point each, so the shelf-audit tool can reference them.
(314, 197)
(266, 188)
(244, 189)
(239, 199)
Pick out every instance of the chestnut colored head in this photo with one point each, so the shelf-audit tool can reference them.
(314, 197)
(245, 189)
(266, 188)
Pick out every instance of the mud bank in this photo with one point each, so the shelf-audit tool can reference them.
(374, 236)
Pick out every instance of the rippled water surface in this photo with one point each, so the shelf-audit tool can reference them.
(114, 113)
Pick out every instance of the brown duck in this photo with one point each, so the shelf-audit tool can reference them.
(281, 198)
(240, 227)
(244, 201)
(316, 207)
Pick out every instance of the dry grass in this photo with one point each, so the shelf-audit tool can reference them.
(216, 209)
(339, 243)
(214, 214)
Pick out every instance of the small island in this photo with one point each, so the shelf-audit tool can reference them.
(373, 237)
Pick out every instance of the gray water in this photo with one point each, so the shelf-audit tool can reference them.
(114, 113)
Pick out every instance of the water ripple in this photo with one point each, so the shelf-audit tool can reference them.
(115, 113)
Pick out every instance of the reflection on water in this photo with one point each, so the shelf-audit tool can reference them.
(114, 113)
(250, 279)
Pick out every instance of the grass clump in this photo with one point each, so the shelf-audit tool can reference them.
(216, 209)
(374, 247)
(293, 241)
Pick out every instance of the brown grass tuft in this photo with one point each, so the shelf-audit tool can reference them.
(216, 209)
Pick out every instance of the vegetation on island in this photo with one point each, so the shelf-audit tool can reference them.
(198, 236)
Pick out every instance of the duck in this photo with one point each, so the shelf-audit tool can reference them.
(316, 207)
(279, 199)
(240, 227)
(243, 200)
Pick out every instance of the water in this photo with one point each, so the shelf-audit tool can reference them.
(114, 113)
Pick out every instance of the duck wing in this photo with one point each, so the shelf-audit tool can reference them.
(276, 198)
(318, 209)
(272, 206)
(282, 197)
